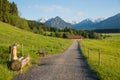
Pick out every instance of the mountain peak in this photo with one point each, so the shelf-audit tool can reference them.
(57, 22)
(57, 17)
(83, 24)
(86, 21)
(42, 20)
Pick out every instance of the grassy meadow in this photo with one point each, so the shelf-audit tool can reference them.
(109, 68)
(30, 41)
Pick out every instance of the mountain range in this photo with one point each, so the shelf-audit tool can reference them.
(56, 22)
(87, 24)
(109, 23)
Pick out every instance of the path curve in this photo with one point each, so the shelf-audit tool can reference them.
(69, 65)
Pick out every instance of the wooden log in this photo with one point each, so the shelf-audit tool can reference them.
(20, 63)
(16, 65)
(24, 60)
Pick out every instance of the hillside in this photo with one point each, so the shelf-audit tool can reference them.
(10, 34)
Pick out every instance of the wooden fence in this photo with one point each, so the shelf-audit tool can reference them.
(89, 52)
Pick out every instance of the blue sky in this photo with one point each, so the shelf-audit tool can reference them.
(69, 10)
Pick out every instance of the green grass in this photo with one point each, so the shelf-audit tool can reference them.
(10, 34)
(109, 68)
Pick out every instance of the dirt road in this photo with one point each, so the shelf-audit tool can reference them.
(69, 65)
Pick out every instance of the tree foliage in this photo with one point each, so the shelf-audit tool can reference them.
(13, 9)
(9, 14)
(4, 10)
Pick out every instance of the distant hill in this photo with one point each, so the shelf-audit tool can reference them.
(109, 23)
(85, 24)
(57, 22)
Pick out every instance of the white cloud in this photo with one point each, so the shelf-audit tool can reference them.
(59, 10)
(52, 8)
(55, 8)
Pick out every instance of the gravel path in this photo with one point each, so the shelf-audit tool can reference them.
(69, 65)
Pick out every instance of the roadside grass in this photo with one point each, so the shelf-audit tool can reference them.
(31, 44)
(109, 68)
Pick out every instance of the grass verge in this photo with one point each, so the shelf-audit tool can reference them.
(109, 68)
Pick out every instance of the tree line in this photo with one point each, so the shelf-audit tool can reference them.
(9, 14)
(40, 28)
(107, 30)
(7, 9)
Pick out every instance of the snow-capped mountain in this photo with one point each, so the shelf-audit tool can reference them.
(112, 22)
(42, 20)
(98, 20)
(57, 22)
(87, 23)
(72, 22)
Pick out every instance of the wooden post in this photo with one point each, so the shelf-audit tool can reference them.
(14, 52)
(10, 52)
(98, 56)
(22, 49)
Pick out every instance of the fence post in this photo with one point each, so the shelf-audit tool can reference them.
(98, 56)
(22, 49)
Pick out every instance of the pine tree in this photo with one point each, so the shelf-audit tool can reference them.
(5, 11)
(1, 12)
(13, 9)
